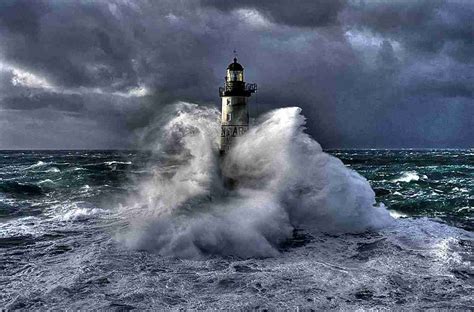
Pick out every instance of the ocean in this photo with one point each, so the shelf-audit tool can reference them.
(72, 235)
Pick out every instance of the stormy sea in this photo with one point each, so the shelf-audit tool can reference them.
(300, 228)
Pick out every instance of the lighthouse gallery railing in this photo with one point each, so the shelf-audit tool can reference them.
(236, 88)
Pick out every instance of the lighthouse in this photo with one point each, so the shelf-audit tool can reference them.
(235, 113)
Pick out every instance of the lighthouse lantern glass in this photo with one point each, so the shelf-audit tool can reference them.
(235, 75)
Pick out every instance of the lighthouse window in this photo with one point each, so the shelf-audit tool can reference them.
(235, 75)
(229, 117)
(228, 101)
(239, 76)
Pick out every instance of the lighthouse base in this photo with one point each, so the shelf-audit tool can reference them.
(228, 183)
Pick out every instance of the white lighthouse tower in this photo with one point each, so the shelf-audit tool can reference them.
(235, 114)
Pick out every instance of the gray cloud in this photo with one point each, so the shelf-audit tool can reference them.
(74, 44)
(68, 103)
(20, 17)
(424, 26)
(369, 74)
(305, 13)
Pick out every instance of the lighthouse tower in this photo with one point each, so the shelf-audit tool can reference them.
(235, 114)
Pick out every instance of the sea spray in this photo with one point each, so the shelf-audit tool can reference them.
(316, 189)
(284, 181)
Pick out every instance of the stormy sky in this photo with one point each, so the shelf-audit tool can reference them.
(93, 74)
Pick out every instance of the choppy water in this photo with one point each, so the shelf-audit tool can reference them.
(420, 183)
(58, 246)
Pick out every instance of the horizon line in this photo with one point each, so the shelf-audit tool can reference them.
(324, 149)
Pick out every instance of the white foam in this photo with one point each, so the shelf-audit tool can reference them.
(466, 209)
(108, 163)
(53, 170)
(407, 176)
(80, 214)
(46, 181)
(397, 215)
(38, 164)
(21, 226)
(285, 181)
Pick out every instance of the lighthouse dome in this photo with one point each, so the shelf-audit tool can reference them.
(235, 66)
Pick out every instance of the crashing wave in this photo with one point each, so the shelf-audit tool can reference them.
(285, 181)
(409, 176)
(37, 165)
(81, 214)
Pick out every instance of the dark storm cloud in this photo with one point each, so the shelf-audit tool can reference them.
(21, 16)
(425, 26)
(75, 44)
(61, 102)
(366, 73)
(444, 89)
(306, 13)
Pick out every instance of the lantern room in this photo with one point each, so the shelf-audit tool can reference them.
(235, 72)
